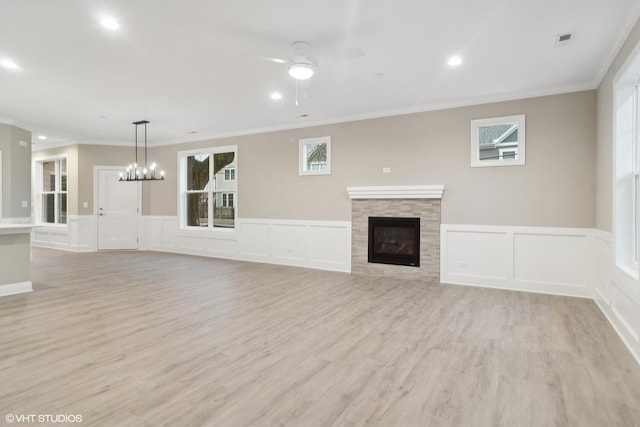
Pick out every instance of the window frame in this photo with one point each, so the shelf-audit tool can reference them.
(302, 164)
(626, 169)
(635, 179)
(520, 146)
(38, 205)
(211, 193)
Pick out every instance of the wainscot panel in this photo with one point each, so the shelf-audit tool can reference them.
(532, 259)
(79, 235)
(617, 294)
(315, 244)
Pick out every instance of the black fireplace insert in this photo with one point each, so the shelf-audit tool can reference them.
(394, 240)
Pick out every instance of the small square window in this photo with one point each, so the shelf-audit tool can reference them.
(315, 156)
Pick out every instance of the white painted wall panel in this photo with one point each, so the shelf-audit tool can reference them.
(314, 244)
(255, 239)
(328, 244)
(548, 258)
(288, 241)
(477, 254)
(532, 259)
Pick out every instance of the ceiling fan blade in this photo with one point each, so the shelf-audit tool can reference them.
(341, 55)
(272, 59)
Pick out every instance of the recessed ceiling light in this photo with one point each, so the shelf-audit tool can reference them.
(454, 61)
(9, 64)
(109, 23)
(43, 137)
(378, 75)
(276, 96)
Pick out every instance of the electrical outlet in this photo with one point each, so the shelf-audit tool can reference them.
(386, 170)
(25, 204)
(463, 265)
(85, 205)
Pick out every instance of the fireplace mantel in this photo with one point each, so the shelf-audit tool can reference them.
(397, 192)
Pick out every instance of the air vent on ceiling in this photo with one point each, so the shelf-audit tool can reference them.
(564, 39)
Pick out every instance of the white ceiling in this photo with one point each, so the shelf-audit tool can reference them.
(194, 65)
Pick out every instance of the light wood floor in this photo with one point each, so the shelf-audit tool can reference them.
(151, 339)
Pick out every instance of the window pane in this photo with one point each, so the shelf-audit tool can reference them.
(197, 172)
(48, 208)
(197, 209)
(49, 176)
(316, 157)
(63, 175)
(62, 208)
(221, 163)
(223, 216)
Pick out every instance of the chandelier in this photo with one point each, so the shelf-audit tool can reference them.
(136, 172)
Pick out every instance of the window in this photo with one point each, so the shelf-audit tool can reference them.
(498, 141)
(636, 176)
(227, 200)
(53, 191)
(626, 206)
(315, 156)
(208, 188)
(508, 153)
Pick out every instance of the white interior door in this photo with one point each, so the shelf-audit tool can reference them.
(118, 204)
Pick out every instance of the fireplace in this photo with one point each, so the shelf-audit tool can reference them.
(394, 241)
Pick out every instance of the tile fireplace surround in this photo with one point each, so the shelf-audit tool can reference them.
(415, 201)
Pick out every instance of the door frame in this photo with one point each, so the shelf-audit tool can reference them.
(96, 177)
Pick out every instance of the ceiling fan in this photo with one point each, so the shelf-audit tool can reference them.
(301, 65)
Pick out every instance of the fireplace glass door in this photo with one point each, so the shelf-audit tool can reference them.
(394, 241)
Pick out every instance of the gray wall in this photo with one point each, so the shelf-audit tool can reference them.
(16, 171)
(604, 169)
(555, 188)
(80, 163)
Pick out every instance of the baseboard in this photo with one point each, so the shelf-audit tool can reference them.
(15, 288)
(619, 327)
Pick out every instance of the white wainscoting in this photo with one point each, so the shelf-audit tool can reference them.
(78, 235)
(324, 245)
(532, 259)
(617, 294)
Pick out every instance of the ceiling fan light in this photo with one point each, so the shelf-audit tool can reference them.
(301, 71)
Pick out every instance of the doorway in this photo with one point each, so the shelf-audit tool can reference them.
(118, 209)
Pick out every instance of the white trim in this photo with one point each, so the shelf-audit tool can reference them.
(546, 260)
(324, 245)
(630, 20)
(182, 189)
(623, 131)
(79, 236)
(516, 121)
(397, 192)
(96, 231)
(302, 164)
(616, 294)
(36, 186)
(15, 288)
(1, 185)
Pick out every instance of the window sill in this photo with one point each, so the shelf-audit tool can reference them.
(628, 271)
